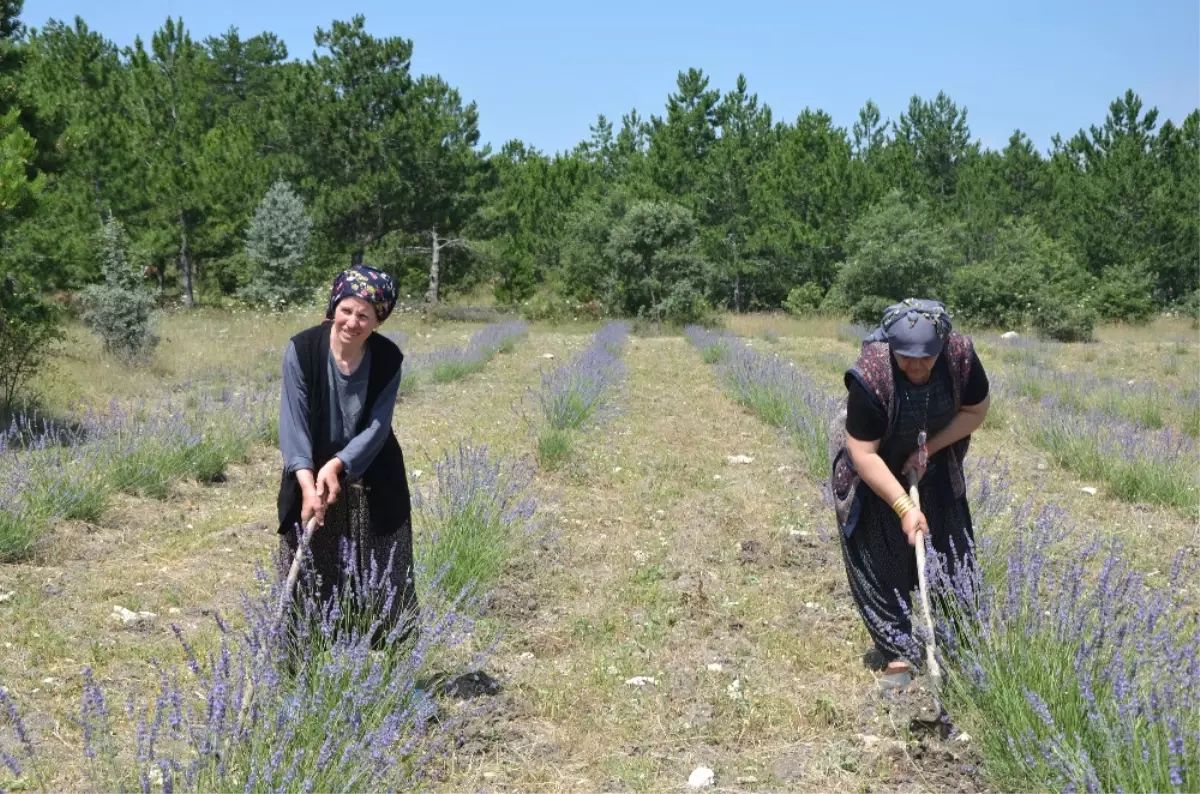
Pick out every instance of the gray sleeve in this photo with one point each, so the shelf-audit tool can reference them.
(360, 453)
(294, 441)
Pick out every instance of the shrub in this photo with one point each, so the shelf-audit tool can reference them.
(804, 299)
(121, 309)
(1068, 319)
(353, 712)
(276, 245)
(1125, 293)
(654, 253)
(869, 310)
(1024, 272)
(895, 251)
(30, 328)
(1075, 671)
(1191, 307)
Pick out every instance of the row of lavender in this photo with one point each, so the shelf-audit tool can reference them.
(577, 394)
(1073, 670)
(1112, 431)
(330, 698)
(446, 364)
(776, 390)
(50, 472)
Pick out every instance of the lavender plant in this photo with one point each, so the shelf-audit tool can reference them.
(475, 515)
(1141, 403)
(714, 346)
(310, 703)
(451, 363)
(579, 393)
(1073, 670)
(49, 472)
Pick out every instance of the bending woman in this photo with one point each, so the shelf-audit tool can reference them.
(342, 462)
(914, 397)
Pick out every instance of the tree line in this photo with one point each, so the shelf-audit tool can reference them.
(711, 204)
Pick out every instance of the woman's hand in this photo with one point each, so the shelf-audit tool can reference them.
(914, 464)
(312, 505)
(327, 485)
(913, 522)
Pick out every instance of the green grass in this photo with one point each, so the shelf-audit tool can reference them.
(554, 448)
(447, 371)
(466, 551)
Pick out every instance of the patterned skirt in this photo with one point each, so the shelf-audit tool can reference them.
(882, 567)
(348, 557)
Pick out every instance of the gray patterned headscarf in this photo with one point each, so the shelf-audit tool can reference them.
(915, 328)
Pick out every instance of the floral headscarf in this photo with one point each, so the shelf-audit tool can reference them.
(363, 281)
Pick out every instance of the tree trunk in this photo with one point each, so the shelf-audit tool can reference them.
(431, 296)
(185, 264)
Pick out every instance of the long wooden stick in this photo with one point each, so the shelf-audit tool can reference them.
(935, 672)
(294, 573)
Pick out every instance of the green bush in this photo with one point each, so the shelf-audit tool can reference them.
(804, 299)
(1023, 273)
(869, 310)
(1067, 319)
(1125, 293)
(895, 251)
(834, 301)
(683, 305)
(654, 254)
(1191, 307)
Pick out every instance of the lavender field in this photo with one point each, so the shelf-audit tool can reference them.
(662, 594)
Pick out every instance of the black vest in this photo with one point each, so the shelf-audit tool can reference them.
(385, 480)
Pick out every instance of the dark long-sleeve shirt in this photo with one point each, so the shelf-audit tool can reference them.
(347, 394)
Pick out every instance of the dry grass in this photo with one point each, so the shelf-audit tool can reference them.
(670, 558)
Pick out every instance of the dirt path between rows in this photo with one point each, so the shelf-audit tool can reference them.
(693, 612)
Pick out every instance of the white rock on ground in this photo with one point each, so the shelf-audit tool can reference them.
(641, 680)
(128, 617)
(7, 595)
(715, 667)
(1009, 335)
(740, 459)
(701, 777)
(1089, 491)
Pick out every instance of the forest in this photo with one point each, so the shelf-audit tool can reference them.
(709, 204)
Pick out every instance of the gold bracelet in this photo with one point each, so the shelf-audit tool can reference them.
(903, 505)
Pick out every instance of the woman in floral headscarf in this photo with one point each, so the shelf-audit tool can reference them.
(342, 462)
(914, 397)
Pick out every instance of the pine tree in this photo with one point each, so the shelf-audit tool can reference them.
(121, 309)
(276, 244)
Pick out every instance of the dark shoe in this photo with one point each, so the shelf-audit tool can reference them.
(874, 659)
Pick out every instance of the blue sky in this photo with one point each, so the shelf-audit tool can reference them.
(541, 72)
